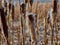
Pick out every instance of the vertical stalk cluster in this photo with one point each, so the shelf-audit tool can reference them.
(3, 20)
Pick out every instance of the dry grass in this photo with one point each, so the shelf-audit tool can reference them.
(38, 8)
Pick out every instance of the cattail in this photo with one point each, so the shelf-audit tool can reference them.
(10, 10)
(31, 2)
(10, 5)
(37, 17)
(3, 20)
(55, 19)
(5, 7)
(23, 8)
(23, 22)
(26, 1)
(54, 22)
(32, 29)
(55, 6)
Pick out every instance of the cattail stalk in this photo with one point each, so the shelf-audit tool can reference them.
(4, 24)
(45, 33)
(23, 22)
(32, 30)
(10, 17)
(31, 3)
(37, 18)
(55, 19)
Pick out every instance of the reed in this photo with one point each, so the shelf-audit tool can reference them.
(41, 11)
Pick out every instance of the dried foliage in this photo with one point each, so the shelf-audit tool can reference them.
(41, 10)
